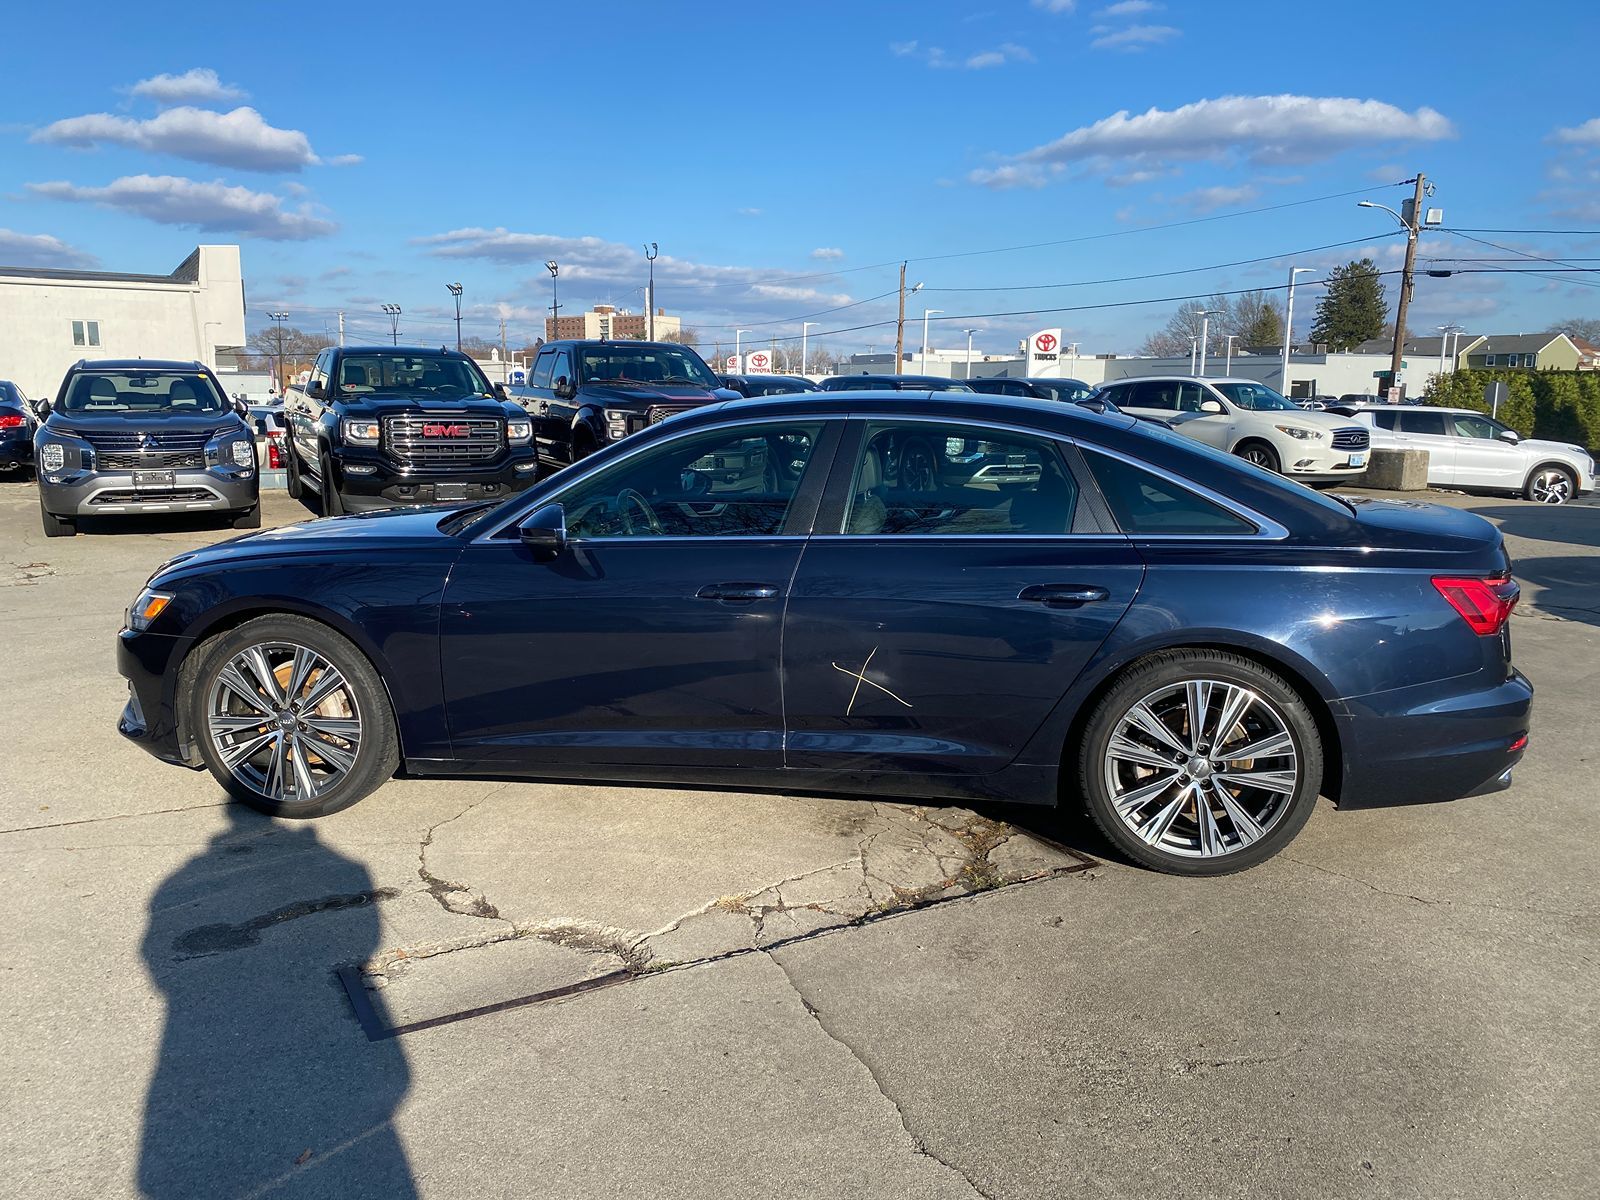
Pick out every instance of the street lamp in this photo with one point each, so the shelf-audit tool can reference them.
(278, 318)
(1288, 325)
(455, 290)
(805, 327)
(1445, 332)
(1194, 348)
(1205, 315)
(650, 252)
(394, 321)
(925, 314)
(555, 308)
(969, 333)
(1232, 338)
(1072, 348)
(1404, 300)
(737, 357)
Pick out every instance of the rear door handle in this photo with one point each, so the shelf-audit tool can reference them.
(737, 593)
(1063, 595)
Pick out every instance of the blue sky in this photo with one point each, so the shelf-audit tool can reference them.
(786, 157)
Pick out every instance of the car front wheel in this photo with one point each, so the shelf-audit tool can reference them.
(1200, 762)
(1262, 455)
(1550, 485)
(291, 718)
(55, 526)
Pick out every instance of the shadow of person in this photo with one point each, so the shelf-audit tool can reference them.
(265, 1083)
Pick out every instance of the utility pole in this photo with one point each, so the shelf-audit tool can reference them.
(455, 290)
(341, 327)
(555, 304)
(1288, 326)
(650, 252)
(900, 323)
(1404, 303)
(502, 339)
(278, 318)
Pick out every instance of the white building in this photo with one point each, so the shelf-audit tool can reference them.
(50, 319)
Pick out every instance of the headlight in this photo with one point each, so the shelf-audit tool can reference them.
(53, 456)
(360, 431)
(519, 431)
(244, 453)
(1300, 433)
(150, 605)
(617, 424)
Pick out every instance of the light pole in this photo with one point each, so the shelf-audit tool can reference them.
(1205, 315)
(1288, 325)
(455, 290)
(394, 321)
(278, 318)
(925, 315)
(555, 307)
(205, 340)
(805, 327)
(1072, 349)
(650, 252)
(1446, 332)
(1232, 338)
(737, 356)
(969, 333)
(1194, 347)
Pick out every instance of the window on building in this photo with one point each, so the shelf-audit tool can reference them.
(1527, 361)
(1513, 360)
(1488, 360)
(86, 333)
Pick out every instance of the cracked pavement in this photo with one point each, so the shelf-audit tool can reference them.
(812, 996)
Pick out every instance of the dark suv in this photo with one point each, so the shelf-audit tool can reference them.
(378, 426)
(17, 425)
(144, 436)
(584, 395)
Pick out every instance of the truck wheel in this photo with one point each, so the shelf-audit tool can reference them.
(332, 504)
(250, 518)
(55, 526)
(582, 444)
(293, 484)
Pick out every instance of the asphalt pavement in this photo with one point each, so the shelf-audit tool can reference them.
(567, 990)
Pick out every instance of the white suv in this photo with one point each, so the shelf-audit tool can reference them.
(1249, 419)
(1472, 452)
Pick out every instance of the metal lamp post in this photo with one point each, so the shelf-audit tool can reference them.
(555, 306)
(1072, 348)
(926, 313)
(394, 322)
(1288, 325)
(1232, 338)
(650, 253)
(805, 327)
(737, 356)
(455, 290)
(1205, 315)
(969, 333)
(1194, 349)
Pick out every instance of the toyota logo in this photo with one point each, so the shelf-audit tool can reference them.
(1046, 342)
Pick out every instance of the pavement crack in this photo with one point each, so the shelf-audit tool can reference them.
(456, 898)
(1434, 902)
(157, 812)
(917, 1143)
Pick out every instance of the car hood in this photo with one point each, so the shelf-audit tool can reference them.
(400, 404)
(1304, 416)
(1415, 524)
(1543, 447)
(140, 422)
(667, 393)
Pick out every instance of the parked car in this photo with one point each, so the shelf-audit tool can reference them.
(144, 435)
(1194, 646)
(767, 385)
(892, 383)
(1316, 403)
(1069, 391)
(378, 426)
(1475, 453)
(17, 427)
(1249, 419)
(583, 395)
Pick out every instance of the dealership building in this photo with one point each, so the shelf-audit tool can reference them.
(49, 319)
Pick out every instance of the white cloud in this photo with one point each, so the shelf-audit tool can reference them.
(750, 212)
(827, 253)
(1129, 8)
(1587, 134)
(1134, 37)
(345, 160)
(1259, 129)
(1056, 6)
(197, 86)
(41, 250)
(1210, 199)
(215, 206)
(1011, 175)
(234, 139)
(935, 56)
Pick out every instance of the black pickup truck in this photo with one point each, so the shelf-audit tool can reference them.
(583, 395)
(378, 426)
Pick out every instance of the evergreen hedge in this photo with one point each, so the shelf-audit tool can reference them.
(1561, 406)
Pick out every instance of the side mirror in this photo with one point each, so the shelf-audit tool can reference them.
(545, 532)
(1093, 403)
(1510, 435)
(41, 409)
(316, 390)
(563, 388)
(240, 407)
(1212, 406)
(500, 391)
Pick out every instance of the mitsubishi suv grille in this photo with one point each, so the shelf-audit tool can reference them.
(1351, 438)
(138, 442)
(109, 461)
(443, 441)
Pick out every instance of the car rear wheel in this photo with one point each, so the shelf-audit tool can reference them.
(1550, 485)
(1262, 455)
(55, 526)
(291, 718)
(1200, 762)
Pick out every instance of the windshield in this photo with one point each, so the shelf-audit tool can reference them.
(1257, 397)
(643, 364)
(434, 374)
(143, 391)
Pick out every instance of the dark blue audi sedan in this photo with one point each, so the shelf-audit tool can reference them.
(956, 597)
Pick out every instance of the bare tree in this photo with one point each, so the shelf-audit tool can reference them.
(1588, 328)
(296, 347)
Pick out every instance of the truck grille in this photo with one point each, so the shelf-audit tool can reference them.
(657, 413)
(135, 441)
(1351, 438)
(149, 462)
(443, 441)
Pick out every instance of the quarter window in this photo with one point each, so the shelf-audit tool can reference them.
(86, 333)
(1427, 424)
(1145, 503)
(729, 483)
(943, 480)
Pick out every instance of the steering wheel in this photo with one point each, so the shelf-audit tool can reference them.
(629, 496)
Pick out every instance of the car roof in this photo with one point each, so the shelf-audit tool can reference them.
(613, 343)
(436, 351)
(1183, 379)
(138, 364)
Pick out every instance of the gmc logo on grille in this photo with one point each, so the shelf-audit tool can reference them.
(444, 431)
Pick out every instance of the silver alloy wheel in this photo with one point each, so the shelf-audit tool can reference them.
(1551, 486)
(1255, 454)
(1202, 768)
(284, 721)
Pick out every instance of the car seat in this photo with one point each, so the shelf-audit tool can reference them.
(353, 377)
(102, 394)
(182, 395)
(868, 513)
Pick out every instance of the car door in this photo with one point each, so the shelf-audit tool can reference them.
(560, 410)
(1422, 429)
(653, 638)
(1481, 458)
(302, 413)
(964, 582)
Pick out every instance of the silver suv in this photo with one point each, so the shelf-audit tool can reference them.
(144, 436)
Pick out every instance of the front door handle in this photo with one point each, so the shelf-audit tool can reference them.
(1063, 595)
(737, 593)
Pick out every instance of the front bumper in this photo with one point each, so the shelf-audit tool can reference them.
(105, 493)
(368, 479)
(1308, 460)
(1434, 742)
(149, 662)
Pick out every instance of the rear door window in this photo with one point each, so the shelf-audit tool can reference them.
(1428, 424)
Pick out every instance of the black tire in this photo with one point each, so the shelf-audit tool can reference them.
(293, 484)
(250, 518)
(583, 444)
(1550, 484)
(332, 502)
(377, 754)
(1283, 707)
(55, 526)
(1262, 454)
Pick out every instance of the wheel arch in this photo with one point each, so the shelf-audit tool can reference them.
(1545, 464)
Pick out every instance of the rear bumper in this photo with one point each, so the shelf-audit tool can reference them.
(1437, 742)
(107, 493)
(16, 450)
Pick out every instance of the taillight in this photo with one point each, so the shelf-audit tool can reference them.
(274, 456)
(10, 421)
(1484, 604)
